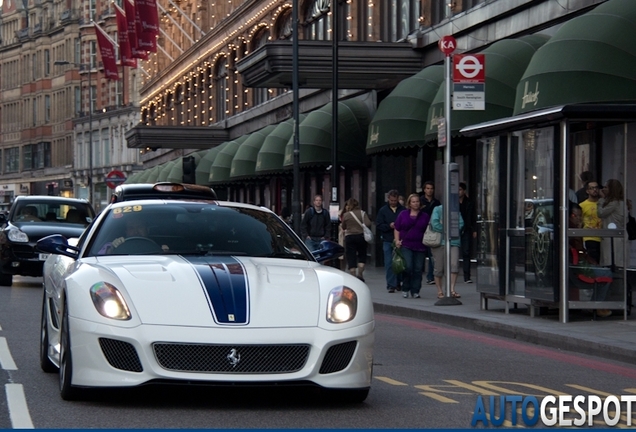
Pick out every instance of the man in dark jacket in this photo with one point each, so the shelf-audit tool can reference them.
(428, 203)
(467, 211)
(315, 225)
(385, 223)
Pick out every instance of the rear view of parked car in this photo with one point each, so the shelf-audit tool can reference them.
(31, 218)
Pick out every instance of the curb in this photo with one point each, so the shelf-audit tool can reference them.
(551, 340)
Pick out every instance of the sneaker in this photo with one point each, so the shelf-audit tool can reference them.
(430, 282)
(603, 313)
(416, 296)
(406, 294)
(391, 290)
(468, 281)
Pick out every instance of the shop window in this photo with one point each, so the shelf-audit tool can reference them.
(221, 90)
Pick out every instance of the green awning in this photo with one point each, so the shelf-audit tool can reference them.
(176, 173)
(591, 58)
(272, 153)
(220, 169)
(153, 174)
(244, 162)
(401, 118)
(132, 179)
(506, 60)
(165, 170)
(202, 172)
(144, 175)
(315, 136)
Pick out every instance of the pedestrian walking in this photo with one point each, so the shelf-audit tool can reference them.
(315, 225)
(355, 244)
(409, 230)
(385, 226)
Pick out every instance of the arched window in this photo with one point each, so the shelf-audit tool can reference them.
(318, 20)
(170, 108)
(283, 26)
(179, 106)
(220, 82)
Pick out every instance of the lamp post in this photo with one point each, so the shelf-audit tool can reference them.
(90, 125)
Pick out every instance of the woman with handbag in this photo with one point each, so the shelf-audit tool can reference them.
(409, 230)
(355, 244)
(437, 224)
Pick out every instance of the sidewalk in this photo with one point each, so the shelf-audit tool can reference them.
(613, 337)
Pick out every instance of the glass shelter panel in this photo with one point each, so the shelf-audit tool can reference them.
(539, 158)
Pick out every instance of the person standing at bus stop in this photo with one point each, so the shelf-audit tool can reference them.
(429, 202)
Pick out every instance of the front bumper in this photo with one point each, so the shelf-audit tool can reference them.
(91, 368)
(21, 259)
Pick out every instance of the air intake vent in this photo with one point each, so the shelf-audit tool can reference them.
(121, 355)
(338, 357)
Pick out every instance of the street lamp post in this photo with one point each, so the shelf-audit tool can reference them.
(90, 125)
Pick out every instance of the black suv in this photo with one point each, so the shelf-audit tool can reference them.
(31, 218)
(178, 191)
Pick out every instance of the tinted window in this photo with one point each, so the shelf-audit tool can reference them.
(52, 212)
(194, 228)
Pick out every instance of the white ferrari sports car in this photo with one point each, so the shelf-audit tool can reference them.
(203, 292)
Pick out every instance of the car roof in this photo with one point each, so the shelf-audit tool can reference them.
(162, 190)
(49, 198)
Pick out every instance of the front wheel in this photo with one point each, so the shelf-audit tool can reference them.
(67, 391)
(45, 363)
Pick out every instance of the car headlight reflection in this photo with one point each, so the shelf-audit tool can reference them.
(342, 305)
(109, 302)
(15, 235)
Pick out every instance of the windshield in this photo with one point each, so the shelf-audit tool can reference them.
(52, 212)
(196, 228)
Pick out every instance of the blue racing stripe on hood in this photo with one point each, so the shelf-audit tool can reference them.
(225, 284)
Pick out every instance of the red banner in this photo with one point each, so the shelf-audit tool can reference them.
(129, 7)
(122, 38)
(107, 50)
(146, 40)
(148, 15)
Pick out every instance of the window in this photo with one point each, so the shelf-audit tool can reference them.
(402, 18)
(47, 62)
(106, 146)
(47, 109)
(12, 159)
(221, 90)
(27, 157)
(93, 99)
(260, 94)
(319, 20)
(77, 103)
(93, 59)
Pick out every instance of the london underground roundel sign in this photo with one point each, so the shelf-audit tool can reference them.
(114, 178)
(447, 44)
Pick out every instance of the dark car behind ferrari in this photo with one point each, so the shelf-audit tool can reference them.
(31, 218)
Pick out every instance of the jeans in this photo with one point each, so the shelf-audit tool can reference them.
(467, 238)
(413, 274)
(312, 245)
(392, 279)
(431, 264)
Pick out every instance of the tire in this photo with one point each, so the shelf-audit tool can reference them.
(45, 363)
(67, 391)
(6, 279)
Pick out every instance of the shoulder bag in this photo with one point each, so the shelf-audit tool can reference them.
(431, 238)
(368, 235)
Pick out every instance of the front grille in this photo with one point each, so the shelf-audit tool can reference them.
(338, 357)
(235, 359)
(121, 355)
(24, 251)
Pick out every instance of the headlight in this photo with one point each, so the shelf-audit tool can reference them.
(15, 235)
(109, 302)
(341, 305)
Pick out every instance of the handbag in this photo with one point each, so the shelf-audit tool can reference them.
(631, 227)
(398, 263)
(432, 238)
(368, 234)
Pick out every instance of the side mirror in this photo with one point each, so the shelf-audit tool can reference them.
(328, 250)
(57, 244)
